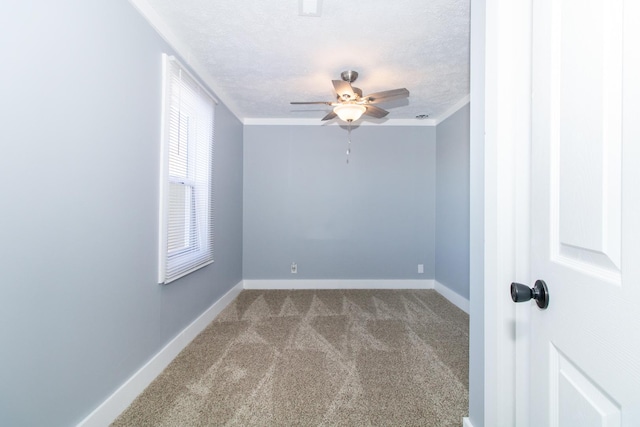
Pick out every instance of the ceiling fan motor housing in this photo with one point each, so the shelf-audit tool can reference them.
(349, 76)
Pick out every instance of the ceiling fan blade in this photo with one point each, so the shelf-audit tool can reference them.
(376, 112)
(387, 95)
(329, 116)
(344, 89)
(312, 102)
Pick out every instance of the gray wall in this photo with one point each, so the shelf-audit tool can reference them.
(373, 218)
(80, 309)
(452, 202)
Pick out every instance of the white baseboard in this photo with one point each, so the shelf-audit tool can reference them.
(466, 422)
(339, 284)
(459, 301)
(454, 298)
(109, 410)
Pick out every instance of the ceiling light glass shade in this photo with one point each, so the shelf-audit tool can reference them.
(349, 112)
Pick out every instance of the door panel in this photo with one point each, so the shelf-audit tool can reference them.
(579, 401)
(585, 348)
(586, 125)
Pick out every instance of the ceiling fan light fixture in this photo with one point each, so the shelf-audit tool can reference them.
(349, 112)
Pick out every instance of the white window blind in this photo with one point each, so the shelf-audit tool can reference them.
(186, 235)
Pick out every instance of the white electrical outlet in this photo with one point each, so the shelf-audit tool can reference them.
(420, 268)
(294, 268)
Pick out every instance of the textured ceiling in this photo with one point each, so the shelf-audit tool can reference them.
(261, 54)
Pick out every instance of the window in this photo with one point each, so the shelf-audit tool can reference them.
(186, 234)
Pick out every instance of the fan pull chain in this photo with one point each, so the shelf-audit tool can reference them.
(349, 141)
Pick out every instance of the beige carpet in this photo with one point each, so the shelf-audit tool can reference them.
(318, 358)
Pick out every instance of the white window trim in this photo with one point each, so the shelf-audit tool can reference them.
(203, 255)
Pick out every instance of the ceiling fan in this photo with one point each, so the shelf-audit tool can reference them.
(350, 105)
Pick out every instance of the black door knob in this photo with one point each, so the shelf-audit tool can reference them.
(539, 292)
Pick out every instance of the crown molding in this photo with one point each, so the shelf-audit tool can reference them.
(453, 109)
(184, 52)
(317, 122)
(285, 121)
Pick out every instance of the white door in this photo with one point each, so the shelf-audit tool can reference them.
(585, 348)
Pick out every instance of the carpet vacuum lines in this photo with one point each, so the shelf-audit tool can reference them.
(317, 358)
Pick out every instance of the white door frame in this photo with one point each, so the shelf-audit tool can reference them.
(500, 132)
